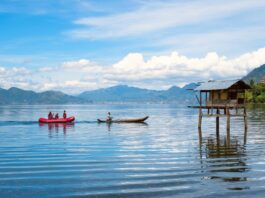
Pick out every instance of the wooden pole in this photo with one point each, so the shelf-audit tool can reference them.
(200, 125)
(228, 125)
(200, 119)
(212, 101)
(217, 122)
(206, 102)
(200, 98)
(245, 119)
(246, 125)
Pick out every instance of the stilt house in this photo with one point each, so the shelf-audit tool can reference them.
(229, 93)
(222, 99)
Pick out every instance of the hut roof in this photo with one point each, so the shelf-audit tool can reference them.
(220, 85)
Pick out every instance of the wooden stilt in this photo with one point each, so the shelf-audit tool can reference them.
(200, 125)
(246, 125)
(245, 119)
(228, 125)
(200, 119)
(217, 122)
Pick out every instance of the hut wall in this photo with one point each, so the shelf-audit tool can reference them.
(224, 95)
(215, 95)
(218, 97)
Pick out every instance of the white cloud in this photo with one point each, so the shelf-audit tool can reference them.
(15, 77)
(157, 16)
(46, 69)
(81, 65)
(76, 64)
(2, 71)
(14, 72)
(162, 71)
(156, 72)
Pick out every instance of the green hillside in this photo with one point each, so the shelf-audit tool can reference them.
(256, 75)
(20, 96)
(257, 93)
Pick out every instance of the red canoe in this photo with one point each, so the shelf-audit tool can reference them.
(59, 120)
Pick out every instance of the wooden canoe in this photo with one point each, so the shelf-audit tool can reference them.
(134, 120)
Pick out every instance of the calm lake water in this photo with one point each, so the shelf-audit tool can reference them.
(162, 158)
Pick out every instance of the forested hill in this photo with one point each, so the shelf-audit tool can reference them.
(116, 94)
(20, 96)
(256, 75)
(124, 93)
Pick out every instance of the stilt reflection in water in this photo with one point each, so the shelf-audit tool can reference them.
(225, 160)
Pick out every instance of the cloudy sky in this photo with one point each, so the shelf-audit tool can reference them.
(77, 45)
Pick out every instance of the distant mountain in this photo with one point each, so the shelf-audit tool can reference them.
(124, 93)
(20, 96)
(256, 75)
(191, 86)
(116, 94)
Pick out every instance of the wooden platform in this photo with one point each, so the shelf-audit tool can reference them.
(230, 106)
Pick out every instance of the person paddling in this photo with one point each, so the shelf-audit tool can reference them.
(64, 114)
(109, 118)
(56, 116)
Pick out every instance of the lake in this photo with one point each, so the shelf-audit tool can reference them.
(162, 158)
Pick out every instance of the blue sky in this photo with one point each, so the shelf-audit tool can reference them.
(152, 44)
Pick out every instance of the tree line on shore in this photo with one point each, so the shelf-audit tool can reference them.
(257, 92)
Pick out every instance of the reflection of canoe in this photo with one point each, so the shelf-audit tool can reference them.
(57, 125)
(135, 120)
(59, 120)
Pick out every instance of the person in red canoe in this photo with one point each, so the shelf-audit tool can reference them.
(56, 116)
(50, 115)
(64, 114)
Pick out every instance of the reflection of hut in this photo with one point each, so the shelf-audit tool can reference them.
(222, 158)
(221, 96)
(220, 148)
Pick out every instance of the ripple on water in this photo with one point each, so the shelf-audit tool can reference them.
(161, 159)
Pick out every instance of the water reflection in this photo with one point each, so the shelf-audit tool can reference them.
(161, 160)
(223, 160)
(110, 125)
(57, 127)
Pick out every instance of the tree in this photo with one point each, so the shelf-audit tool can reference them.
(252, 83)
